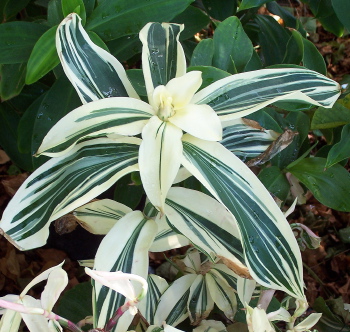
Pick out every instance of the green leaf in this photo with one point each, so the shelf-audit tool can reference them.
(312, 58)
(341, 150)
(129, 255)
(12, 8)
(342, 10)
(74, 6)
(96, 39)
(203, 53)
(336, 116)
(344, 234)
(54, 12)
(329, 186)
(127, 192)
(194, 20)
(270, 249)
(76, 303)
(64, 183)
(232, 47)
(269, 118)
(17, 40)
(11, 80)
(288, 18)
(43, 57)
(275, 182)
(328, 18)
(209, 74)
(111, 21)
(137, 80)
(246, 4)
(220, 9)
(126, 47)
(254, 63)
(294, 49)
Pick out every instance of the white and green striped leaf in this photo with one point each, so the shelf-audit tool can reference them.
(206, 223)
(65, 183)
(163, 57)
(241, 94)
(94, 73)
(270, 248)
(172, 306)
(156, 287)
(223, 295)
(130, 255)
(159, 159)
(166, 238)
(122, 116)
(246, 141)
(100, 216)
(200, 303)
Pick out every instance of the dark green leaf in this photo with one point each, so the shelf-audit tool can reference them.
(203, 53)
(330, 117)
(125, 47)
(246, 4)
(89, 6)
(275, 182)
(8, 138)
(288, 19)
(74, 6)
(341, 150)
(254, 63)
(330, 186)
(12, 8)
(17, 40)
(96, 39)
(193, 19)
(220, 9)
(294, 49)
(342, 10)
(127, 17)
(127, 192)
(11, 80)
(232, 47)
(312, 58)
(268, 118)
(209, 74)
(344, 234)
(54, 12)
(137, 81)
(76, 303)
(43, 57)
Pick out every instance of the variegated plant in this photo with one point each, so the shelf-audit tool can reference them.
(181, 128)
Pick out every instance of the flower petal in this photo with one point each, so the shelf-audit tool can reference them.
(200, 121)
(35, 323)
(159, 159)
(182, 89)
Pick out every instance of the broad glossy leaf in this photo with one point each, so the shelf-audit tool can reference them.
(43, 57)
(12, 80)
(94, 73)
(203, 53)
(163, 57)
(111, 20)
(246, 4)
(137, 80)
(232, 47)
(17, 40)
(241, 94)
(209, 74)
(126, 47)
(100, 216)
(341, 150)
(329, 118)
(271, 251)
(342, 8)
(294, 49)
(283, 12)
(269, 118)
(129, 255)
(312, 58)
(172, 306)
(329, 186)
(54, 12)
(64, 183)
(212, 230)
(12, 8)
(156, 287)
(220, 9)
(117, 115)
(245, 141)
(74, 6)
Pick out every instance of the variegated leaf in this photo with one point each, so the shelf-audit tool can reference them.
(166, 238)
(172, 306)
(63, 184)
(100, 216)
(163, 57)
(156, 287)
(223, 295)
(246, 141)
(94, 73)
(200, 303)
(130, 255)
(122, 116)
(241, 94)
(159, 159)
(270, 248)
(207, 224)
